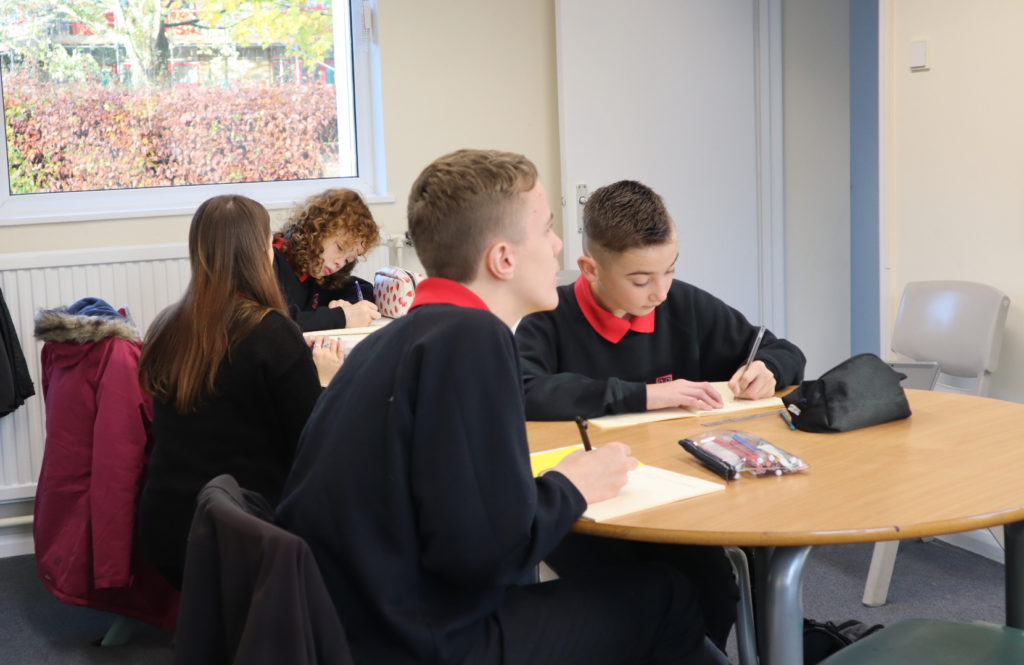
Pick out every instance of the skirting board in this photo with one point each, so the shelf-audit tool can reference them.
(16, 540)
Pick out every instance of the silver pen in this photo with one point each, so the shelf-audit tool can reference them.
(753, 349)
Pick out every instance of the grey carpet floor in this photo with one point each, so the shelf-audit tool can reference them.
(931, 580)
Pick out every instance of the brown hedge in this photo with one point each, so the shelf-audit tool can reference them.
(67, 137)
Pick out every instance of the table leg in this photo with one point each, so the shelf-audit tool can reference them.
(784, 606)
(1013, 534)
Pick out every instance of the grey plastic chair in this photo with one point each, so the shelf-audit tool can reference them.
(959, 325)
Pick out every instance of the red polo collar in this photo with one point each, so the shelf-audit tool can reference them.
(441, 291)
(604, 323)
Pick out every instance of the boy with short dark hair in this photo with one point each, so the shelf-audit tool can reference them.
(412, 483)
(628, 337)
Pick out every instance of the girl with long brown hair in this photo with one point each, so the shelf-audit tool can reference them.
(314, 254)
(232, 379)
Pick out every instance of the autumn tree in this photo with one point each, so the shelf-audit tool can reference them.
(145, 29)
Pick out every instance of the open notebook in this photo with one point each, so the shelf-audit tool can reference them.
(349, 336)
(647, 487)
(732, 405)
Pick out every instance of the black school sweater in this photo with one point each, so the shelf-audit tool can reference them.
(413, 487)
(308, 301)
(569, 370)
(265, 390)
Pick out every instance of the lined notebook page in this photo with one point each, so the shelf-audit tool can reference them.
(732, 405)
(647, 487)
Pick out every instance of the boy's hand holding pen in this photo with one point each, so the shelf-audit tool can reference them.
(753, 380)
(598, 473)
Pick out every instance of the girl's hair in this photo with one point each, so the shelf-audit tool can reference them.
(323, 216)
(233, 287)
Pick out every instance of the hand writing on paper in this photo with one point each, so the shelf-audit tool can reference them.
(357, 315)
(328, 355)
(757, 382)
(683, 393)
(600, 473)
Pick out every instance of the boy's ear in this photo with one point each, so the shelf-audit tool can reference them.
(588, 267)
(500, 260)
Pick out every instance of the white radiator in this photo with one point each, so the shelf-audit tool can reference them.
(145, 278)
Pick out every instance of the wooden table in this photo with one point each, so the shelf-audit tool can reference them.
(956, 464)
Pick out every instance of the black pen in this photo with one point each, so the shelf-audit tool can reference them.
(581, 423)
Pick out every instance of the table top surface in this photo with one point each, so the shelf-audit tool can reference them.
(956, 464)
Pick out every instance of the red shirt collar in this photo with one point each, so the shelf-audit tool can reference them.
(604, 323)
(441, 291)
(281, 245)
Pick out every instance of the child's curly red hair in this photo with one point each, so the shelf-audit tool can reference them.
(322, 216)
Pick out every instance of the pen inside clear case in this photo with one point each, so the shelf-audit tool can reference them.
(747, 453)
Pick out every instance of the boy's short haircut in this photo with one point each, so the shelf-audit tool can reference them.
(462, 202)
(624, 215)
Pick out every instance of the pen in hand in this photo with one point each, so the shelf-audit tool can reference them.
(359, 292)
(754, 348)
(581, 423)
(750, 356)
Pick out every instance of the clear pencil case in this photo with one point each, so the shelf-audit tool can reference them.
(729, 453)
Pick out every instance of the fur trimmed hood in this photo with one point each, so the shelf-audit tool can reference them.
(62, 325)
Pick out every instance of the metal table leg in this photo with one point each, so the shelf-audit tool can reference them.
(1014, 537)
(784, 606)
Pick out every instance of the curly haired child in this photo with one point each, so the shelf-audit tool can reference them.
(314, 254)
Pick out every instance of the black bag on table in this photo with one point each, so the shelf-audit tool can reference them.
(858, 392)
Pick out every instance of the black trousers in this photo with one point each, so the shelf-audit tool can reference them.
(707, 569)
(644, 614)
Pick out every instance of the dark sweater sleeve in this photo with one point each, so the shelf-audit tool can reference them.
(554, 395)
(293, 382)
(297, 295)
(483, 518)
(727, 337)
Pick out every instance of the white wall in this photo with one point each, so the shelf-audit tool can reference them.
(816, 99)
(456, 73)
(953, 157)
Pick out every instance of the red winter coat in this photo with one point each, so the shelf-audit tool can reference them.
(98, 441)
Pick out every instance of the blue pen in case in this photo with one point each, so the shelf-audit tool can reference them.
(729, 453)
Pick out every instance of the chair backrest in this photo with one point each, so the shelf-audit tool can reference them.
(957, 324)
(252, 592)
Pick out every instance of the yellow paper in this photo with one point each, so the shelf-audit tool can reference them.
(549, 459)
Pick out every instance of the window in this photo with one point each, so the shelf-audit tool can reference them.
(135, 108)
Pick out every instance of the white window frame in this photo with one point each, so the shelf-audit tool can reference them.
(167, 201)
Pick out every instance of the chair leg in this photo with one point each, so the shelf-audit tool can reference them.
(997, 533)
(883, 560)
(120, 632)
